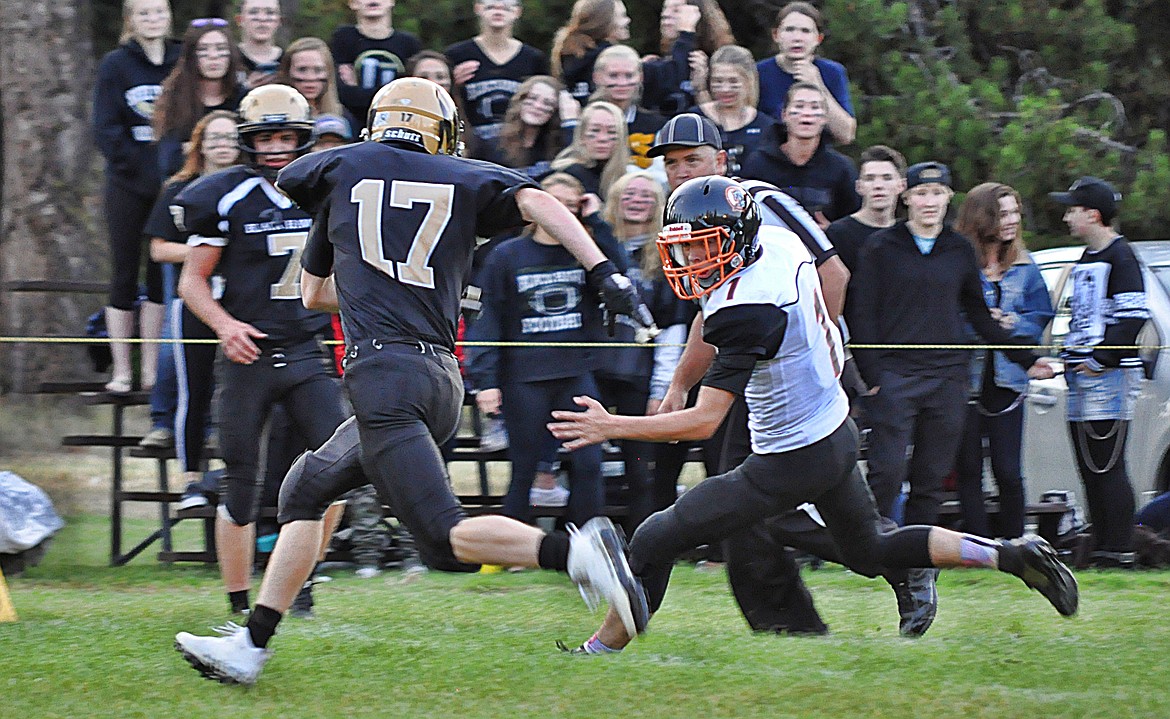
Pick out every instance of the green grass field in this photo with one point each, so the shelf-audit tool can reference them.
(94, 641)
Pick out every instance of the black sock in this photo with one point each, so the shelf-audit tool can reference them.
(554, 551)
(1010, 560)
(239, 600)
(262, 624)
(908, 547)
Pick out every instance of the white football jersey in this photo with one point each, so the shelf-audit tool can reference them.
(794, 398)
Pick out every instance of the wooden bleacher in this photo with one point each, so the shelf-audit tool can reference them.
(465, 449)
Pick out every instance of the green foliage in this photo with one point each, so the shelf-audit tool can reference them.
(1145, 211)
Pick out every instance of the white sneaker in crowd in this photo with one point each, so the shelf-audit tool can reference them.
(495, 436)
(556, 496)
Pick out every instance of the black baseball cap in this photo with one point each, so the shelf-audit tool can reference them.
(685, 130)
(927, 172)
(1093, 193)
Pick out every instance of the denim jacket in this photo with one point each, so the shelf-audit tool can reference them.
(1025, 296)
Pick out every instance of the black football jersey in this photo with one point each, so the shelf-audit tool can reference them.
(402, 226)
(262, 234)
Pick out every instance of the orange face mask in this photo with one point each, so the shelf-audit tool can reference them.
(692, 279)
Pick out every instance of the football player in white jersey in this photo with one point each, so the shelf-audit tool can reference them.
(763, 310)
(764, 579)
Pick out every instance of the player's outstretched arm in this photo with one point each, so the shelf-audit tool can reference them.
(692, 365)
(595, 424)
(616, 290)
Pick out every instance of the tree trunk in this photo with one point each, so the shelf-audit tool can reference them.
(49, 206)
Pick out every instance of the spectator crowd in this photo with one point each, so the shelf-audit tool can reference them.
(610, 133)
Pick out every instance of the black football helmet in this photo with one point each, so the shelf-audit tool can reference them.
(718, 213)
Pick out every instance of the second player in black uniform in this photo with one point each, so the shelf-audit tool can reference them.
(395, 222)
(240, 227)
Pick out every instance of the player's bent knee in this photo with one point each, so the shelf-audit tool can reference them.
(657, 541)
(295, 502)
(224, 512)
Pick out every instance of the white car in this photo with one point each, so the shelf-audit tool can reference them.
(1049, 463)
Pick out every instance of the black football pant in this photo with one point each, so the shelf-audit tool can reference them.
(769, 485)
(407, 400)
(762, 573)
(295, 375)
(528, 408)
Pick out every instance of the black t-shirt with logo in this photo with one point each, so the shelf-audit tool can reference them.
(375, 63)
(487, 93)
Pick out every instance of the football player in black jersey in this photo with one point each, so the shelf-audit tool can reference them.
(395, 225)
(241, 228)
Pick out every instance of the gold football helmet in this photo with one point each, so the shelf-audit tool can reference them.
(275, 107)
(416, 111)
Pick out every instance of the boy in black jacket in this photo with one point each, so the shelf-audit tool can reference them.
(914, 284)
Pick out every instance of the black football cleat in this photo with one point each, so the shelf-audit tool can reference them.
(1045, 573)
(917, 601)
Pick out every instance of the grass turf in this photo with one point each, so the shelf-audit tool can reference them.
(94, 641)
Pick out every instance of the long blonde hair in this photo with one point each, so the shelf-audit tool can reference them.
(651, 262)
(575, 153)
(328, 103)
(589, 24)
(742, 60)
(128, 25)
(618, 52)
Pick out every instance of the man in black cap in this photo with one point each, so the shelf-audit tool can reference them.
(763, 576)
(1108, 305)
(914, 283)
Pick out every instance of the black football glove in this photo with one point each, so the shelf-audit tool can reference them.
(618, 293)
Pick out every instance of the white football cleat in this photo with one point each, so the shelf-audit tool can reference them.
(230, 658)
(597, 564)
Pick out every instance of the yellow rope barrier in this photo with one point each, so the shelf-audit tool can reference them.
(140, 341)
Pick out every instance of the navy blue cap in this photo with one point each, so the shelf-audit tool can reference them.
(927, 172)
(685, 130)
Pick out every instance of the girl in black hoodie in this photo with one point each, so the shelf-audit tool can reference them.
(128, 83)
